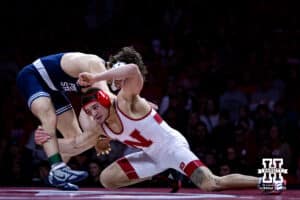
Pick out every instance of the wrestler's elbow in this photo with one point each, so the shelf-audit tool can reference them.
(96, 64)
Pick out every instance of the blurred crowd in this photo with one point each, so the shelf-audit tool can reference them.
(225, 76)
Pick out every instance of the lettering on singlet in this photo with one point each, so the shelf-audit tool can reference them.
(140, 141)
(66, 86)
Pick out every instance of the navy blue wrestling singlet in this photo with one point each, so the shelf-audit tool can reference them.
(45, 77)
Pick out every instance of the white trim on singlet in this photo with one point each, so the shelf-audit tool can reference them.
(63, 109)
(44, 74)
(35, 96)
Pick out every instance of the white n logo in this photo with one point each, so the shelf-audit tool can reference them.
(272, 170)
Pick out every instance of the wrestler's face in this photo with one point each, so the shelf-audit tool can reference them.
(118, 83)
(98, 112)
(115, 85)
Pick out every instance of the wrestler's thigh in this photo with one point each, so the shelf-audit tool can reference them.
(67, 124)
(128, 170)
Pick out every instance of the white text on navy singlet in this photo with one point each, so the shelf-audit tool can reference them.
(68, 86)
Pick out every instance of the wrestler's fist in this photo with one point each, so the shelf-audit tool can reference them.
(41, 136)
(86, 79)
(103, 145)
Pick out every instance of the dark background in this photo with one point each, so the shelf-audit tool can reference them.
(229, 68)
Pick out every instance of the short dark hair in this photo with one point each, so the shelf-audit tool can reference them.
(89, 95)
(129, 55)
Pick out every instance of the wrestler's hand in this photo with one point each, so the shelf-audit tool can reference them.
(86, 79)
(41, 136)
(103, 145)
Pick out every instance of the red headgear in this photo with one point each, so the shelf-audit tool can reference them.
(103, 99)
(98, 96)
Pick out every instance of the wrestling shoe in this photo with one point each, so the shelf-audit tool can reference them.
(175, 185)
(170, 181)
(272, 188)
(61, 174)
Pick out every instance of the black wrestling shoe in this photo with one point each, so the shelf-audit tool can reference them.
(170, 181)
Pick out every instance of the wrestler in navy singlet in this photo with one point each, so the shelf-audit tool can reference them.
(61, 80)
(45, 77)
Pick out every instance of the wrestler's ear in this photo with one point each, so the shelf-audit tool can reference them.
(108, 65)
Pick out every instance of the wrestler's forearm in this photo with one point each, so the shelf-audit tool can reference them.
(76, 145)
(118, 73)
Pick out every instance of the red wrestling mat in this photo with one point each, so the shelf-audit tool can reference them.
(137, 193)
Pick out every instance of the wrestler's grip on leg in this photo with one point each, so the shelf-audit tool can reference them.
(41, 136)
(69, 147)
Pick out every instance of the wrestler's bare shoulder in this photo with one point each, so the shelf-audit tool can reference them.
(76, 62)
(79, 56)
(137, 108)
